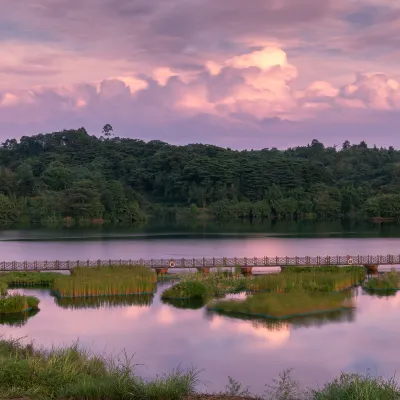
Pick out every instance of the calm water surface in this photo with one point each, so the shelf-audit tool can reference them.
(162, 337)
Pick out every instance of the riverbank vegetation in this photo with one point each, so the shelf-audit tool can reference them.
(72, 177)
(325, 269)
(28, 279)
(105, 281)
(72, 373)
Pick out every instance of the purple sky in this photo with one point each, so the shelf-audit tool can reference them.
(253, 74)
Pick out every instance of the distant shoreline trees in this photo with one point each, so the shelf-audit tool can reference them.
(73, 176)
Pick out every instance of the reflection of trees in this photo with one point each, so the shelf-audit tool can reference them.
(105, 301)
(381, 293)
(190, 304)
(319, 319)
(17, 319)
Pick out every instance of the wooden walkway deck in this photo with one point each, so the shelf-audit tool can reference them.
(205, 262)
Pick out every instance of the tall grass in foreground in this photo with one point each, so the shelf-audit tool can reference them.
(75, 374)
(285, 305)
(106, 281)
(17, 304)
(72, 373)
(312, 282)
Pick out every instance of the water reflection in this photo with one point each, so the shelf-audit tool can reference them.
(162, 337)
(17, 319)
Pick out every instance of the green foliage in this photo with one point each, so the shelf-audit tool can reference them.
(285, 305)
(81, 178)
(3, 288)
(78, 303)
(105, 281)
(17, 304)
(325, 269)
(72, 373)
(28, 279)
(358, 387)
(387, 281)
(187, 290)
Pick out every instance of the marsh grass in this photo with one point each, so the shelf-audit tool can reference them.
(18, 304)
(325, 268)
(389, 282)
(285, 305)
(28, 279)
(3, 288)
(212, 285)
(105, 281)
(326, 282)
(141, 300)
(73, 373)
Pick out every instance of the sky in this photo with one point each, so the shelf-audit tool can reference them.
(235, 73)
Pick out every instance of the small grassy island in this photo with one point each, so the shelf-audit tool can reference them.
(14, 304)
(105, 281)
(388, 282)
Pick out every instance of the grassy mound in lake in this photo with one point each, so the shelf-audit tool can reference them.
(326, 282)
(389, 281)
(105, 281)
(285, 305)
(28, 278)
(203, 286)
(16, 303)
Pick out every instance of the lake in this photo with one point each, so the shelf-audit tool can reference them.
(253, 352)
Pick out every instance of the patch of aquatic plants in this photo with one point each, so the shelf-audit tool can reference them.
(28, 279)
(388, 282)
(284, 305)
(141, 300)
(326, 282)
(17, 303)
(203, 286)
(105, 281)
(326, 268)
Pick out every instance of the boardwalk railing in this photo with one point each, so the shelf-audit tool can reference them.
(204, 262)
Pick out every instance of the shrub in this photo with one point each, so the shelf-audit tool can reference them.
(187, 290)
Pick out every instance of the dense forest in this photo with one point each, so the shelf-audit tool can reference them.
(74, 177)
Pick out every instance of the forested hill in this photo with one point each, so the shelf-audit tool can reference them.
(72, 175)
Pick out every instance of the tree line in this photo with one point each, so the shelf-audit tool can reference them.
(73, 176)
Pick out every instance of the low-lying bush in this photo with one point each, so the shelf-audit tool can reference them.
(187, 290)
(17, 304)
(388, 281)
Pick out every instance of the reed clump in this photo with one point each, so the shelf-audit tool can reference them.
(286, 305)
(17, 303)
(3, 288)
(312, 282)
(105, 281)
(385, 282)
(141, 300)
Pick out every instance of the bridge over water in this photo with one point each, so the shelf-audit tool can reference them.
(205, 264)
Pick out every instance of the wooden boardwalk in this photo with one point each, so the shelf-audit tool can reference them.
(204, 262)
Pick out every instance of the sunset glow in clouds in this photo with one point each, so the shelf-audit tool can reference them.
(255, 74)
